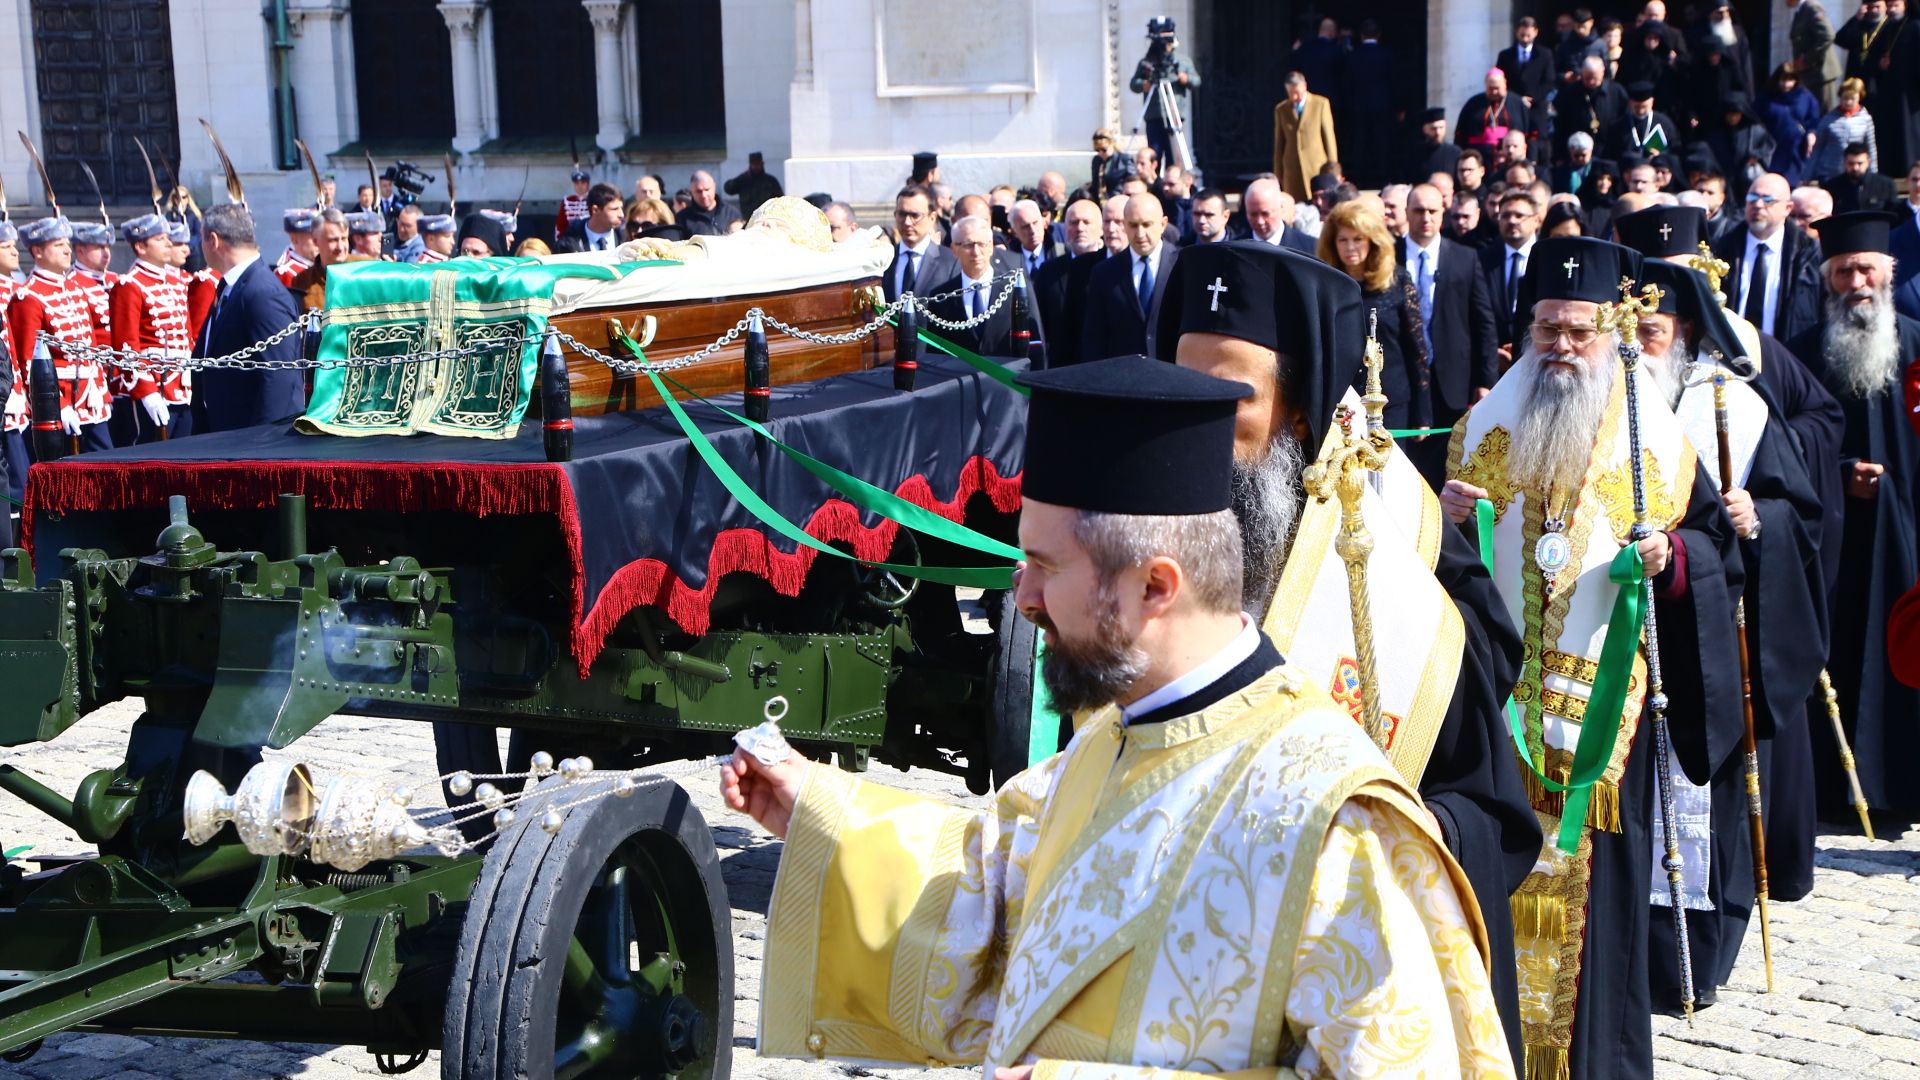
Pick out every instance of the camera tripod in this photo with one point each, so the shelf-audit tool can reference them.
(1170, 115)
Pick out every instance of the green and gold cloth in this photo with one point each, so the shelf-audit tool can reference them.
(498, 306)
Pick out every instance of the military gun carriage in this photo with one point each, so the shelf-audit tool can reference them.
(620, 611)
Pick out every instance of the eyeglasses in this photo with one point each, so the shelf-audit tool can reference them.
(1546, 334)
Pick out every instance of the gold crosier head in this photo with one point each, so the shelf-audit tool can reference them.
(1715, 269)
(1623, 316)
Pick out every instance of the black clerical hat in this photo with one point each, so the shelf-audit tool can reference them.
(1659, 231)
(1576, 268)
(1131, 435)
(1286, 301)
(1432, 115)
(1861, 230)
(1640, 91)
(925, 162)
(1685, 292)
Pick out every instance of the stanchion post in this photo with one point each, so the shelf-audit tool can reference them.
(50, 442)
(906, 345)
(1022, 336)
(759, 372)
(556, 402)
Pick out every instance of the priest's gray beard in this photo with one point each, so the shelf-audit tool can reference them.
(1560, 413)
(1670, 371)
(1266, 499)
(1096, 671)
(1862, 342)
(1724, 31)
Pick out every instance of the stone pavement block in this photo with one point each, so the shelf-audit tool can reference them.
(47, 1066)
(1894, 1070)
(1857, 997)
(1868, 979)
(1878, 1022)
(1717, 1062)
(1814, 1053)
(1814, 1030)
(132, 1074)
(1780, 1004)
(1667, 1070)
(1889, 1047)
(105, 1046)
(1706, 1032)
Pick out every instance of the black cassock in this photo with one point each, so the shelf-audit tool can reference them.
(1472, 782)
(1621, 957)
(1785, 734)
(1878, 561)
(1786, 637)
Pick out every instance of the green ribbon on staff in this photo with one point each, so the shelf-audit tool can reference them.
(857, 491)
(1602, 729)
(985, 366)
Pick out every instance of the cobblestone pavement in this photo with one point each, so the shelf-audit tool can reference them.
(1846, 964)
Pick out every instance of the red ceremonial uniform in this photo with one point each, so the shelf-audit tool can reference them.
(432, 256)
(202, 288)
(150, 317)
(14, 414)
(572, 209)
(54, 304)
(289, 267)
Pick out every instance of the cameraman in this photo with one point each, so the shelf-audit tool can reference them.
(1163, 63)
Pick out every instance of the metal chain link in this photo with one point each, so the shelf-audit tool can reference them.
(242, 360)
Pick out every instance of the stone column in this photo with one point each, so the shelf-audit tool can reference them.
(323, 73)
(463, 27)
(609, 71)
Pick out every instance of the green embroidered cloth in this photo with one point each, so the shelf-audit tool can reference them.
(497, 305)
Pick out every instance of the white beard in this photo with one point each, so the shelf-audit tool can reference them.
(1670, 372)
(1724, 31)
(1862, 344)
(1266, 499)
(1560, 416)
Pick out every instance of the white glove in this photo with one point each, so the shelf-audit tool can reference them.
(70, 420)
(156, 406)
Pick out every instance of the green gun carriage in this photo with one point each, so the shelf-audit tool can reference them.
(622, 607)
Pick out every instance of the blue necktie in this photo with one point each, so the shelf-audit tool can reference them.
(1425, 284)
(907, 276)
(1144, 287)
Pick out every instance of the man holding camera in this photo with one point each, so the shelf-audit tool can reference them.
(1164, 64)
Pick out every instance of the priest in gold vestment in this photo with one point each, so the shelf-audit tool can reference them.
(1221, 873)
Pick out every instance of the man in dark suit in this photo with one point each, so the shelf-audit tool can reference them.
(1774, 280)
(919, 262)
(1529, 67)
(602, 228)
(1858, 187)
(984, 276)
(1504, 264)
(1372, 103)
(1267, 209)
(1060, 286)
(1123, 293)
(250, 307)
(1033, 243)
(1456, 310)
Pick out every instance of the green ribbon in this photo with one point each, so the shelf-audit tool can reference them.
(22, 849)
(1410, 432)
(982, 364)
(1602, 728)
(857, 491)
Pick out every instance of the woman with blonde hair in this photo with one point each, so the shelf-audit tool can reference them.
(644, 212)
(1844, 125)
(1355, 239)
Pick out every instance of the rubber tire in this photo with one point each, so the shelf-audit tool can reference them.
(502, 1004)
(473, 748)
(1009, 734)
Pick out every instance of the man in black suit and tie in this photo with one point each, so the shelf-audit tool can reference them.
(1505, 263)
(1267, 208)
(1775, 279)
(1033, 244)
(919, 262)
(1456, 311)
(603, 227)
(983, 278)
(1529, 67)
(250, 307)
(1123, 293)
(1060, 286)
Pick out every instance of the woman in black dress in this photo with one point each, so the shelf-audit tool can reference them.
(1354, 238)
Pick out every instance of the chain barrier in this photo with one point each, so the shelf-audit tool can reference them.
(242, 360)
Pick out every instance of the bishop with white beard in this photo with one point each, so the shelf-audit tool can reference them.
(1548, 449)
(1860, 349)
(1290, 326)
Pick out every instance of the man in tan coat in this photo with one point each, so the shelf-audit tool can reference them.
(1302, 137)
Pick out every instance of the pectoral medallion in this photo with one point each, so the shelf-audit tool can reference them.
(1552, 552)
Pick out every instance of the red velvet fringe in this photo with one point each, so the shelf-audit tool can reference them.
(499, 489)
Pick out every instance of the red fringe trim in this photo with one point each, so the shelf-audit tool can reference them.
(500, 489)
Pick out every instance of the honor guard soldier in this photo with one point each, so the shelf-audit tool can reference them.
(365, 232)
(150, 317)
(301, 246)
(92, 252)
(574, 206)
(436, 232)
(14, 414)
(180, 237)
(49, 301)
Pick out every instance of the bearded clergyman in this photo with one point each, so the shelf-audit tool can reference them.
(1860, 349)
(1776, 514)
(1549, 450)
(1290, 327)
(1221, 873)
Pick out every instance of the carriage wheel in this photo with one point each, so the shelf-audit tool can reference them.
(603, 951)
(1009, 733)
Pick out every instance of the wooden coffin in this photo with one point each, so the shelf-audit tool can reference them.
(683, 327)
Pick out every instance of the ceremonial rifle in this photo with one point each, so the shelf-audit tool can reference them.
(1624, 317)
(104, 219)
(1747, 743)
(319, 189)
(1846, 751)
(46, 182)
(1344, 474)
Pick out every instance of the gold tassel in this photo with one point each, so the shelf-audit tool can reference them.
(1603, 810)
(1538, 916)
(1546, 1063)
(1547, 802)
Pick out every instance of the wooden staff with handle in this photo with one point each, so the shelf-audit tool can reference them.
(1846, 752)
(1755, 825)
